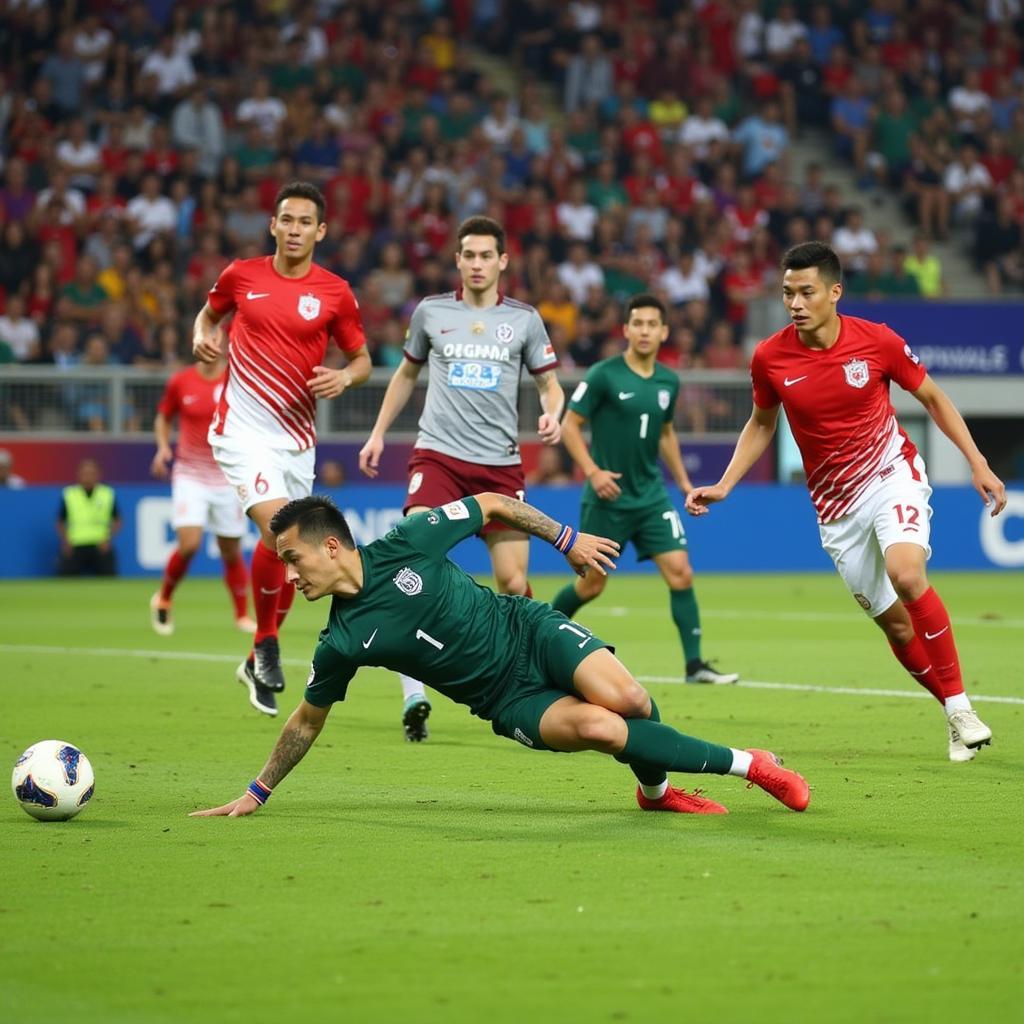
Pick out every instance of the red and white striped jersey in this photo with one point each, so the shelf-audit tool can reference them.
(278, 335)
(838, 407)
(192, 398)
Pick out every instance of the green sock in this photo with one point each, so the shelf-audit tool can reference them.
(567, 601)
(686, 616)
(659, 747)
(646, 774)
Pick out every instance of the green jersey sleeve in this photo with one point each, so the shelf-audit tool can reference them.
(436, 531)
(588, 394)
(329, 675)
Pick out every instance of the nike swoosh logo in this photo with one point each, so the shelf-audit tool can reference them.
(366, 643)
(623, 395)
(796, 380)
(273, 590)
(933, 636)
(256, 295)
(923, 672)
(448, 330)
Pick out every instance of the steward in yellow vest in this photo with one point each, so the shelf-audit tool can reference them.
(87, 523)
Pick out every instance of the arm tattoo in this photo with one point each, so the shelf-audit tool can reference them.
(290, 749)
(547, 385)
(545, 380)
(527, 518)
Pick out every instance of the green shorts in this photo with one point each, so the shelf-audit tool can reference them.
(552, 649)
(654, 529)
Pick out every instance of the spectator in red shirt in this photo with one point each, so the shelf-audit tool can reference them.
(741, 284)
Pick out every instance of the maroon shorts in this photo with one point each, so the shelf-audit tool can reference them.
(436, 479)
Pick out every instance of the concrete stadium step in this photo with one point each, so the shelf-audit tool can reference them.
(883, 213)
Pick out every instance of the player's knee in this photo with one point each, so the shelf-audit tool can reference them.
(909, 582)
(511, 582)
(590, 586)
(598, 728)
(899, 633)
(635, 702)
(187, 549)
(681, 579)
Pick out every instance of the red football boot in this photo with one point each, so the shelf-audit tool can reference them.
(680, 801)
(786, 786)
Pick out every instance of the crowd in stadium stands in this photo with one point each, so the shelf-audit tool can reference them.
(142, 144)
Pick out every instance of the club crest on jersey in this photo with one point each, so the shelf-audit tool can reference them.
(857, 373)
(415, 481)
(504, 333)
(479, 327)
(309, 307)
(909, 353)
(664, 397)
(408, 582)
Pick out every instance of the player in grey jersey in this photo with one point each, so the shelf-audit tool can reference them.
(475, 342)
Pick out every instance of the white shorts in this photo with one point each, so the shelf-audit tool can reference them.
(896, 513)
(206, 506)
(258, 473)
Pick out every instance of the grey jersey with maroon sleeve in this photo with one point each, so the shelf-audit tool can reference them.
(475, 358)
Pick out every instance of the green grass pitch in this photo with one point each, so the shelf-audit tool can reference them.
(469, 879)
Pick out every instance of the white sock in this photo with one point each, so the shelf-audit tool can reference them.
(411, 687)
(959, 702)
(655, 792)
(740, 763)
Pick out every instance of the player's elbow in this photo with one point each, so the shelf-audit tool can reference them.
(489, 503)
(309, 718)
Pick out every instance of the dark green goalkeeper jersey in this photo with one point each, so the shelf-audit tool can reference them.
(420, 614)
(626, 413)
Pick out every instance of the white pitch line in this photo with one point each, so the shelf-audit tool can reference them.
(851, 691)
(619, 611)
(119, 652)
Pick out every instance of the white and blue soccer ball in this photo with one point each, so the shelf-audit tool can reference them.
(53, 780)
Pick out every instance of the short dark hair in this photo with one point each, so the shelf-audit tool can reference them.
(302, 190)
(317, 518)
(482, 226)
(814, 254)
(646, 301)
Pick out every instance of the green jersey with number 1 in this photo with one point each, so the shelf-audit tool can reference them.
(420, 614)
(626, 413)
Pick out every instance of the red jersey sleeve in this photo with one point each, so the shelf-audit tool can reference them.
(221, 297)
(348, 324)
(900, 362)
(765, 396)
(170, 401)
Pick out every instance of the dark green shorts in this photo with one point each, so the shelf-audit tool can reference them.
(552, 649)
(654, 529)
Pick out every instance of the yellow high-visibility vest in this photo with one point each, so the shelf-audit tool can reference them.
(88, 515)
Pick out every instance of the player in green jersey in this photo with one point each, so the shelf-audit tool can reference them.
(629, 401)
(400, 603)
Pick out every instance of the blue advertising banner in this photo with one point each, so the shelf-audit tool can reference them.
(954, 337)
(761, 528)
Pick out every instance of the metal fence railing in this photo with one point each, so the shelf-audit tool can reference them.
(122, 401)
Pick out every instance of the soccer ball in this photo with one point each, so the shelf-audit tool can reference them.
(53, 780)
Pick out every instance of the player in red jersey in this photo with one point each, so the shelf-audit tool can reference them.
(200, 496)
(831, 374)
(286, 309)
